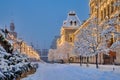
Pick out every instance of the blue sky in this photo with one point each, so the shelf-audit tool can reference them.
(38, 21)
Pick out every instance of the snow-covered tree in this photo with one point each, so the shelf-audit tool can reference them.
(51, 55)
(65, 51)
(89, 43)
(12, 63)
(112, 33)
(62, 52)
(115, 46)
(55, 55)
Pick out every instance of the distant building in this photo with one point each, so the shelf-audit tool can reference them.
(70, 25)
(44, 55)
(11, 35)
(12, 30)
(21, 45)
(38, 51)
(54, 42)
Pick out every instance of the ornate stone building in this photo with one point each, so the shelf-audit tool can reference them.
(12, 30)
(70, 25)
(104, 10)
(21, 45)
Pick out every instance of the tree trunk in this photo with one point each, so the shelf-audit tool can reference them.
(97, 61)
(113, 63)
(87, 61)
(80, 60)
(68, 58)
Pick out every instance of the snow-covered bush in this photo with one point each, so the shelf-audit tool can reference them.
(14, 65)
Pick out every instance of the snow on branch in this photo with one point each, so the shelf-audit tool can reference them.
(115, 46)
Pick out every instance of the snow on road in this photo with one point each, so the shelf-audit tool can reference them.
(70, 72)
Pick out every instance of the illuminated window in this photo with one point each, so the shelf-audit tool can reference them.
(101, 15)
(116, 5)
(92, 10)
(104, 12)
(108, 10)
(112, 7)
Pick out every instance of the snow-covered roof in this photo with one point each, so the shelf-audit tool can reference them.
(72, 20)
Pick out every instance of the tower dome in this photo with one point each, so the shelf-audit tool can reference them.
(72, 20)
(12, 27)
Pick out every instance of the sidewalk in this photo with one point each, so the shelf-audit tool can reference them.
(115, 68)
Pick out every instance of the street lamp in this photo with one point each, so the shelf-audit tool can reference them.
(97, 15)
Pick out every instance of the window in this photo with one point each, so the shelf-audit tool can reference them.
(75, 23)
(70, 39)
(101, 15)
(112, 7)
(104, 12)
(108, 10)
(92, 9)
(71, 23)
(116, 5)
(111, 41)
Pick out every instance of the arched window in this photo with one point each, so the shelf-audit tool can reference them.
(112, 7)
(108, 10)
(101, 15)
(70, 39)
(104, 12)
(71, 23)
(75, 23)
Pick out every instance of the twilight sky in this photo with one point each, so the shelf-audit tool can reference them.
(38, 21)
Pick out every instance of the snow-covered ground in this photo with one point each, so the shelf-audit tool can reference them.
(74, 72)
(116, 68)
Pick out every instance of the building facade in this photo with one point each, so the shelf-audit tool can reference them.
(103, 10)
(44, 55)
(70, 25)
(66, 39)
(21, 45)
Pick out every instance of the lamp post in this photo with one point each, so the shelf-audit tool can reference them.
(97, 15)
